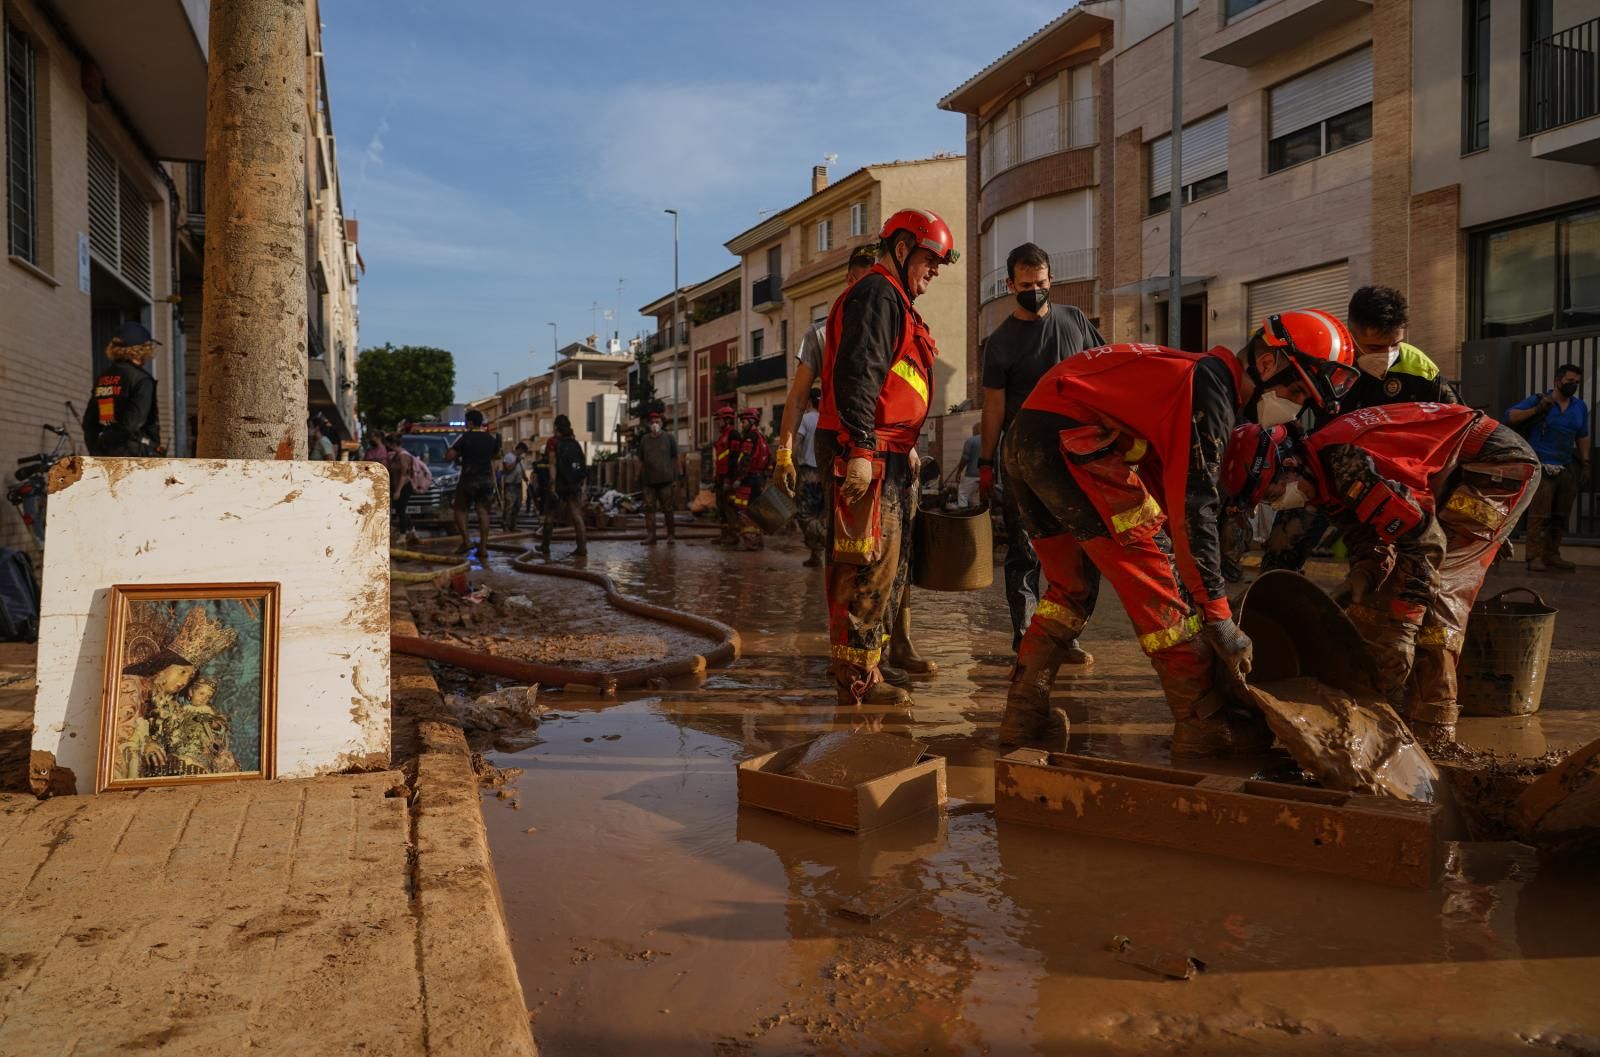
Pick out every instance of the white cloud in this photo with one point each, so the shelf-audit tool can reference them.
(374, 151)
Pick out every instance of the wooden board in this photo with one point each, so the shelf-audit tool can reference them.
(1372, 838)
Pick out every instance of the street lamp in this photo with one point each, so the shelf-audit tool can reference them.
(676, 299)
(555, 348)
(496, 380)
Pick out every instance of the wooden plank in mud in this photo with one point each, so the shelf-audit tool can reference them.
(1373, 838)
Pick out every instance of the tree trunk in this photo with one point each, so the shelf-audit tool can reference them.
(253, 363)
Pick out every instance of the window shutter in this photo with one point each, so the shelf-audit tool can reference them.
(104, 234)
(1331, 89)
(1327, 288)
(119, 220)
(1205, 153)
(135, 227)
(1161, 165)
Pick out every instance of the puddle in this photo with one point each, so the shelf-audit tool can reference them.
(649, 913)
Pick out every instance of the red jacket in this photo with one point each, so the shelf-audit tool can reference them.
(868, 354)
(721, 454)
(755, 454)
(1165, 399)
(1416, 445)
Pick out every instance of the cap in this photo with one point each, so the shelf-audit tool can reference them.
(133, 333)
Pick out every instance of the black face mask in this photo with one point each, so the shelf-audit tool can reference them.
(1033, 300)
(1567, 389)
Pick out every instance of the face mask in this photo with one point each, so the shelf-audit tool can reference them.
(1274, 409)
(1033, 300)
(655, 427)
(1567, 389)
(1293, 498)
(1376, 364)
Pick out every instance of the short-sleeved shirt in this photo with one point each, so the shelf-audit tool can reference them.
(1020, 352)
(971, 452)
(811, 346)
(476, 450)
(1555, 438)
(806, 435)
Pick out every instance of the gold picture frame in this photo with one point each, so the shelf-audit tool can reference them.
(191, 685)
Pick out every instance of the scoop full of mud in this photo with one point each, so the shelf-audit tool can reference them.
(1316, 684)
(847, 758)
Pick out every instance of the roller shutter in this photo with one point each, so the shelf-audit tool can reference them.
(1324, 92)
(1205, 153)
(1327, 288)
(119, 220)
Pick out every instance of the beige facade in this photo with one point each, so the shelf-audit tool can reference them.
(100, 98)
(792, 268)
(708, 321)
(588, 386)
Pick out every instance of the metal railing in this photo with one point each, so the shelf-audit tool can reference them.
(1040, 134)
(661, 340)
(1066, 266)
(1563, 77)
(767, 290)
(774, 368)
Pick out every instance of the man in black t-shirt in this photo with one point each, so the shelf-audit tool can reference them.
(475, 451)
(1032, 339)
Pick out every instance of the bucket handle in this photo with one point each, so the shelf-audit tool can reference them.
(1514, 590)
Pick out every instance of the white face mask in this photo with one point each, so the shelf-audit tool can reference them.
(1275, 410)
(655, 427)
(1293, 498)
(1377, 364)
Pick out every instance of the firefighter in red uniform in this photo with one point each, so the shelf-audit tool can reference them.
(877, 383)
(721, 467)
(1117, 454)
(1425, 494)
(751, 458)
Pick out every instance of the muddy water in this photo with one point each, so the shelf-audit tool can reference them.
(650, 914)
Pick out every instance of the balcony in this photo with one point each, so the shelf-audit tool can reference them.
(1561, 96)
(661, 340)
(763, 372)
(1040, 134)
(1066, 266)
(1252, 31)
(766, 293)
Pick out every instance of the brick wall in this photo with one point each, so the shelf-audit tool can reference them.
(1053, 174)
(1122, 322)
(1437, 281)
(975, 332)
(1391, 141)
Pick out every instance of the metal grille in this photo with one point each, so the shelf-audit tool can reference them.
(1540, 358)
(119, 220)
(22, 221)
(135, 228)
(1327, 288)
(104, 237)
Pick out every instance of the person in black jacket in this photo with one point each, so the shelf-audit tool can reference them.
(122, 419)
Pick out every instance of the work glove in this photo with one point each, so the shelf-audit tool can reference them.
(1361, 581)
(1233, 646)
(783, 474)
(914, 461)
(985, 482)
(857, 479)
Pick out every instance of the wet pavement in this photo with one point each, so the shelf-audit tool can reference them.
(651, 914)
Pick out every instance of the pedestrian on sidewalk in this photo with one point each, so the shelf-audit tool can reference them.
(1556, 423)
(404, 469)
(513, 486)
(569, 470)
(474, 451)
(658, 467)
(122, 419)
(1028, 343)
(971, 470)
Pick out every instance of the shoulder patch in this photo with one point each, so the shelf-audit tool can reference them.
(1391, 387)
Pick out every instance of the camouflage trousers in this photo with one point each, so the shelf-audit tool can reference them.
(861, 597)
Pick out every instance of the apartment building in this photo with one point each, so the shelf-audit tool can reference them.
(667, 359)
(96, 98)
(589, 387)
(522, 411)
(793, 266)
(714, 334)
(333, 259)
(1035, 168)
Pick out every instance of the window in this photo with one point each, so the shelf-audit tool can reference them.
(1537, 277)
(819, 311)
(1000, 142)
(1062, 225)
(775, 260)
(824, 236)
(1084, 119)
(1041, 121)
(858, 219)
(1204, 161)
(119, 222)
(1322, 111)
(783, 335)
(1475, 76)
(1234, 8)
(22, 164)
(757, 338)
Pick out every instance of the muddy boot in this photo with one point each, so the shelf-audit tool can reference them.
(813, 561)
(862, 686)
(1432, 709)
(1076, 656)
(895, 676)
(1552, 549)
(1199, 729)
(1028, 716)
(1536, 543)
(902, 654)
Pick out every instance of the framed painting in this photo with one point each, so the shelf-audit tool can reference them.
(191, 684)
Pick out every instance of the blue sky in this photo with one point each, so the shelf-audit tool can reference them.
(509, 160)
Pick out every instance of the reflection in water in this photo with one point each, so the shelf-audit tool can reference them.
(650, 914)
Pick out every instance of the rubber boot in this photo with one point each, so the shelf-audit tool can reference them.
(1028, 716)
(1536, 543)
(902, 654)
(862, 686)
(1552, 548)
(1432, 708)
(895, 676)
(1199, 728)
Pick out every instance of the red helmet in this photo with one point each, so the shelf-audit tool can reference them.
(725, 411)
(654, 416)
(1321, 352)
(751, 413)
(1253, 458)
(931, 233)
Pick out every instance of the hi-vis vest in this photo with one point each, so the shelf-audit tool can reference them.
(720, 450)
(907, 389)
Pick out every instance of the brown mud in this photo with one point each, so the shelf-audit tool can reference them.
(649, 913)
(849, 758)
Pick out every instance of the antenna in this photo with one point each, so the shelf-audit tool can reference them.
(829, 159)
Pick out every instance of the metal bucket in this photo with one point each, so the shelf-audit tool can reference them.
(953, 549)
(772, 509)
(1505, 655)
(1298, 630)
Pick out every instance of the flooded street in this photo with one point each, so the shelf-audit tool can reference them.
(650, 914)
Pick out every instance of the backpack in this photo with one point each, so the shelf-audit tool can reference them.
(570, 467)
(421, 476)
(19, 597)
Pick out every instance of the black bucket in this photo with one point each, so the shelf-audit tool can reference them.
(772, 509)
(1505, 655)
(954, 549)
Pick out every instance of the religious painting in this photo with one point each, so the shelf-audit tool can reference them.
(191, 684)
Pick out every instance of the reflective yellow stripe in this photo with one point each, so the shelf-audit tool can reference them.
(1137, 452)
(1476, 509)
(857, 656)
(1143, 514)
(1048, 610)
(1440, 636)
(912, 378)
(1183, 631)
(850, 546)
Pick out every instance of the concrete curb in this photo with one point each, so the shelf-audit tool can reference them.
(471, 994)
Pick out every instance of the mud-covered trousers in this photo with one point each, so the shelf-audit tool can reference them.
(1417, 648)
(1092, 503)
(860, 597)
